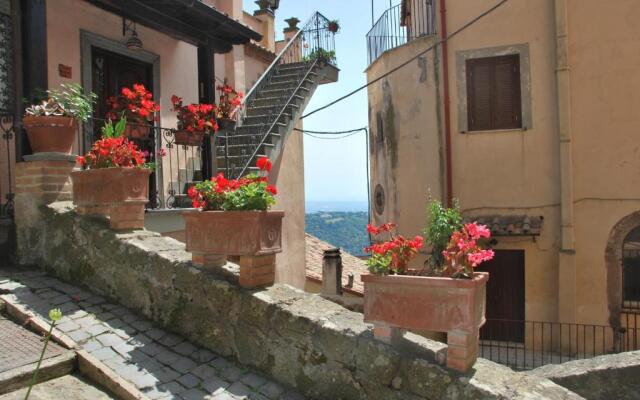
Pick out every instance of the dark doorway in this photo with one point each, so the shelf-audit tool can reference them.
(505, 297)
(110, 72)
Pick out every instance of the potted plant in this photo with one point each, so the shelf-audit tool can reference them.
(137, 106)
(52, 125)
(450, 299)
(229, 104)
(333, 26)
(321, 54)
(114, 180)
(234, 220)
(194, 122)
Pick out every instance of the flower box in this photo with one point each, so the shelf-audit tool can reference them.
(455, 306)
(137, 131)
(117, 193)
(51, 133)
(253, 236)
(186, 138)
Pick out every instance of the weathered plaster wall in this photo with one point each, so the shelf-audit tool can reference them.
(300, 339)
(605, 89)
(406, 163)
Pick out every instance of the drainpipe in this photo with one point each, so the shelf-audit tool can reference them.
(447, 111)
(566, 262)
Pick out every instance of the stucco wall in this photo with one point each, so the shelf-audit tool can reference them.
(406, 163)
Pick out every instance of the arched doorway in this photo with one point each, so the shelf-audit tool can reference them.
(622, 257)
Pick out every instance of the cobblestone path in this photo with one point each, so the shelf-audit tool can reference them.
(160, 364)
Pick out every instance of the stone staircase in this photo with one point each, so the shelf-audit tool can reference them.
(271, 114)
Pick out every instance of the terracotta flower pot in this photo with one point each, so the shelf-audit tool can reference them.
(50, 133)
(137, 131)
(187, 138)
(456, 306)
(253, 236)
(117, 193)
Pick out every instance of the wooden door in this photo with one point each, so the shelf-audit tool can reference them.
(110, 73)
(505, 297)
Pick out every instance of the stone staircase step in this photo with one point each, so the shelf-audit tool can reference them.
(286, 77)
(287, 84)
(261, 110)
(276, 102)
(263, 119)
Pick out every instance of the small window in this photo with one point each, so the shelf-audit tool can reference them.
(493, 93)
(631, 269)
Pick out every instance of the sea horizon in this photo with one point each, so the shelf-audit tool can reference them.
(314, 206)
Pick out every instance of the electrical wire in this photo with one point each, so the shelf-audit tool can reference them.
(435, 45)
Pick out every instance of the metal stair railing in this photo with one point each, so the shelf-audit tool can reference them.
(312, 44)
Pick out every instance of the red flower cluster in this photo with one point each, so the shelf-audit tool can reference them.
(195, 117)
(230, 101)
(247, 193)
(112, 152)
(464, 251)
(136, 103)
(396, 252)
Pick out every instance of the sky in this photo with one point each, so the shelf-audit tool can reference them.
(335, 170)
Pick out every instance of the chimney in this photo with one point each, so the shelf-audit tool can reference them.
(332, 272)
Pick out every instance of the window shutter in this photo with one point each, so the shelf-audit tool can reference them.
(506, 97)
(493, 93)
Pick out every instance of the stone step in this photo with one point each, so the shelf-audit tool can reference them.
(258, 129)
(279, 92)
(287, 77)
(287, 84)
(263, 119)
(243, 149)
(275, 102)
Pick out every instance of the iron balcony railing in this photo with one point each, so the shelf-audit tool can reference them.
(525, 345)
(391, 30)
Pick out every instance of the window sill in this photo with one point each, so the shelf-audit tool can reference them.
(498, 130)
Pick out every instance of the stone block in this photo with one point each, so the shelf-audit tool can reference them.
(257, 271)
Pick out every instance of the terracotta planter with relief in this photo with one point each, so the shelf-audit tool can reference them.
(456, 306)
(187, 138)
(252, 237)
(50, 133)
(117, 193)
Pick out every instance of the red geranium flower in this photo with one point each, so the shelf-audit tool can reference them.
(264, 164)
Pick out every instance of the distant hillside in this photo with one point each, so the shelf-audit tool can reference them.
(346, 230)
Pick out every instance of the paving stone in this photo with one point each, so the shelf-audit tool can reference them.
(58, 300)
(48, 293)
(220, 363)
(166, 375)
(204, 371)
(109, 339)
(140, 340)
(104, 353)
(115, 362)
(87, 321)
(84, 304)
(128, 317)
(171, 340)
(94, 310)
(173, 387)
(97, 329)
(272, 390)
(156, 393)
(257, 396)
(152, 349)
(124, 349)
(223, 396)
(193, 394)
(92, 345)
(79, 335)
(239, 389)
(253, 381)
(232, 373)
(126, 370)
(167, 357)
(143, 380)
(189, 381)
(185, 348)
(183, 365)
(110, 306)
(291, 396)
(149, 364)
(141, 325)
(155, 333)
(68, 326)
(95, 299)
(214, 385)
(77, 314)
(203, 356)
(105, 316)
(68, 307)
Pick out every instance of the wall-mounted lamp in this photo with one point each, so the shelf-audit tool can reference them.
(132, 42)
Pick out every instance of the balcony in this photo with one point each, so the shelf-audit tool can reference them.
(400, 24)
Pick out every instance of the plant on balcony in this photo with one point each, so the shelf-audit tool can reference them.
(114, 180)
(52, 125)
(229, 104)
(398, 298)
(195, 121)
(333, 26)
(137, 105)
(234, 221)
(322, 55)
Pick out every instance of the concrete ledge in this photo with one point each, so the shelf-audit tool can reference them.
(300, 339)
(613, 376)
(50, 368)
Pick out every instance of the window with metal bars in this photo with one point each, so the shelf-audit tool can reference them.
(493, 93)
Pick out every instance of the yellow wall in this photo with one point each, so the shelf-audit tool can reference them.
(516, 172)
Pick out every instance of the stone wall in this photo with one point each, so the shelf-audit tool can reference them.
(600, 378)
(300, 339)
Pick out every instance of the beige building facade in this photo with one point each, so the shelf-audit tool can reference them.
(529, 122)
